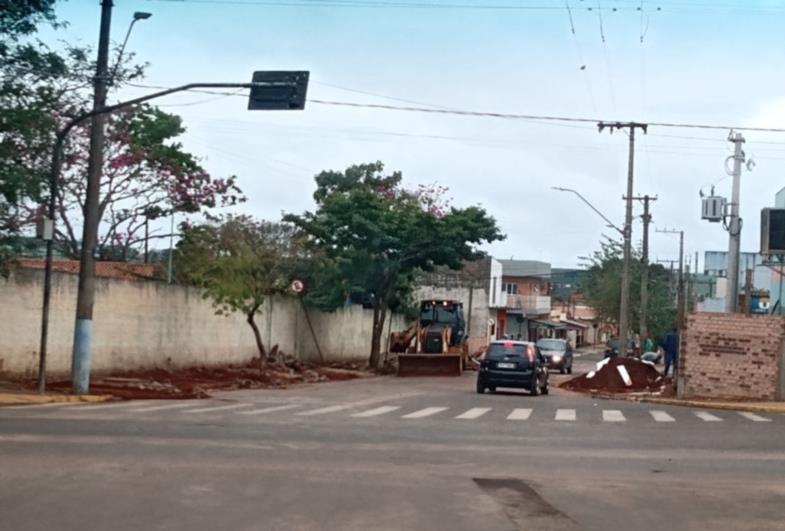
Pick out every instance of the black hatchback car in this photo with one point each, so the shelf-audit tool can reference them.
(516, 364)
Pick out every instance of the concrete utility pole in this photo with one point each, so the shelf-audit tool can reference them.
(681, 295)
(624, 310)
(734, 226)
(748, 279)
(83, 330)
(644, 329)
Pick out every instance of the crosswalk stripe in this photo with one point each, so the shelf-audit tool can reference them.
(612, 415)
(216, 408)
(519, 414)
(376, 411)
(753, 417)
(101, 407)
(708, 417)
(427, 412)
(150, 409)
(662, 416)
(565, 414)
(473, 413)
(270, 409)
(323, 410)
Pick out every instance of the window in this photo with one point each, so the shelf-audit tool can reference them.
(493, 292)
(510, 288)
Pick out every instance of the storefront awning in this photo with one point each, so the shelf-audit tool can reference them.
(556, 325)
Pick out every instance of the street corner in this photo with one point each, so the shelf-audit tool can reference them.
(727, 405)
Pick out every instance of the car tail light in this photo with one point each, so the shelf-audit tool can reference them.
(530, 353)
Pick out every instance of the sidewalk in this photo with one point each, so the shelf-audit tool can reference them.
(21, 398)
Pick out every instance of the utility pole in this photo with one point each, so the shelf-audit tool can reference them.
(680, 305)
(734, 227)
(748, 281)
(83, 330)
(624, 310)
(644, 329)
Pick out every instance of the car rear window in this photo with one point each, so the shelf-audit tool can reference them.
(500, 350)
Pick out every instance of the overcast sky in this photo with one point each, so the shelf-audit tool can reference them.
(707, 62)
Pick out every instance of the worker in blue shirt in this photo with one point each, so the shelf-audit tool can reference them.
(670, 344)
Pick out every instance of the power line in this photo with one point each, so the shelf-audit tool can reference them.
(369, 4)
(634, 5)
(512, 116)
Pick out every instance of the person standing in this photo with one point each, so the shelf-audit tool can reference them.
(671, 347)
(648, 344)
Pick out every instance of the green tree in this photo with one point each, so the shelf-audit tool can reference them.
(375, 236)
(40, 88)
(240, 263)
(603, 289)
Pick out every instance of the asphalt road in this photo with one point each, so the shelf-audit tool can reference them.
(389, 454)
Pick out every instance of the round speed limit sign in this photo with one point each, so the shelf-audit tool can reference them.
(297, 286)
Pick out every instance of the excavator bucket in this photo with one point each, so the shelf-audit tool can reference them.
(430, 365)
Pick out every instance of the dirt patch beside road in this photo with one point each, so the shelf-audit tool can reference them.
(197, 382)
(618, 375)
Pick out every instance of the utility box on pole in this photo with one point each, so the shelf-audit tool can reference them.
(713, 208)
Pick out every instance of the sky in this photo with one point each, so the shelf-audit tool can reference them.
(687, 61)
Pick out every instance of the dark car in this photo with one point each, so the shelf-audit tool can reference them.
(516, 364)
(613, 347)
(558, 354)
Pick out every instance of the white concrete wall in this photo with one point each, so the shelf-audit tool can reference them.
(150, 324)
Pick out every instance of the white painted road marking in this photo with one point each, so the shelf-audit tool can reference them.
(377, 411)
(473, 413)
(268, 409)
(708, 417)
(753, 417)
(161, 408)
(328, 409)
(519, 414)
(427, 412)
(216, 408)
(662, 416)
(565, 414)
(612, 415)
(101, 407)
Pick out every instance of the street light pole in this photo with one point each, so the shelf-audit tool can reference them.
(609, 222)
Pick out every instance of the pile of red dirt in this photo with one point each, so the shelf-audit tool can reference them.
(197, 382)
(607, 377)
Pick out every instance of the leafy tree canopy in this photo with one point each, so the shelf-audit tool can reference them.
(239, 262)
(602, 288)
(375, 235)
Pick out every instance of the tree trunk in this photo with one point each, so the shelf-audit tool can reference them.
(379, 314)
(257, 335)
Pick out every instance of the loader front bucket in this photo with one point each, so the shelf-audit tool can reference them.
(429, 365)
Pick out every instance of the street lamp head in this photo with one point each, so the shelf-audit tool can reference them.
(142, 15)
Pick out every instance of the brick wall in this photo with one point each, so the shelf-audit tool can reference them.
(733, 356)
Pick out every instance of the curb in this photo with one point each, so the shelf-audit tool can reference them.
(726, 406)
(28, 399)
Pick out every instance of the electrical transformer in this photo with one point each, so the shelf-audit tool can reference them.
(713, 208)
